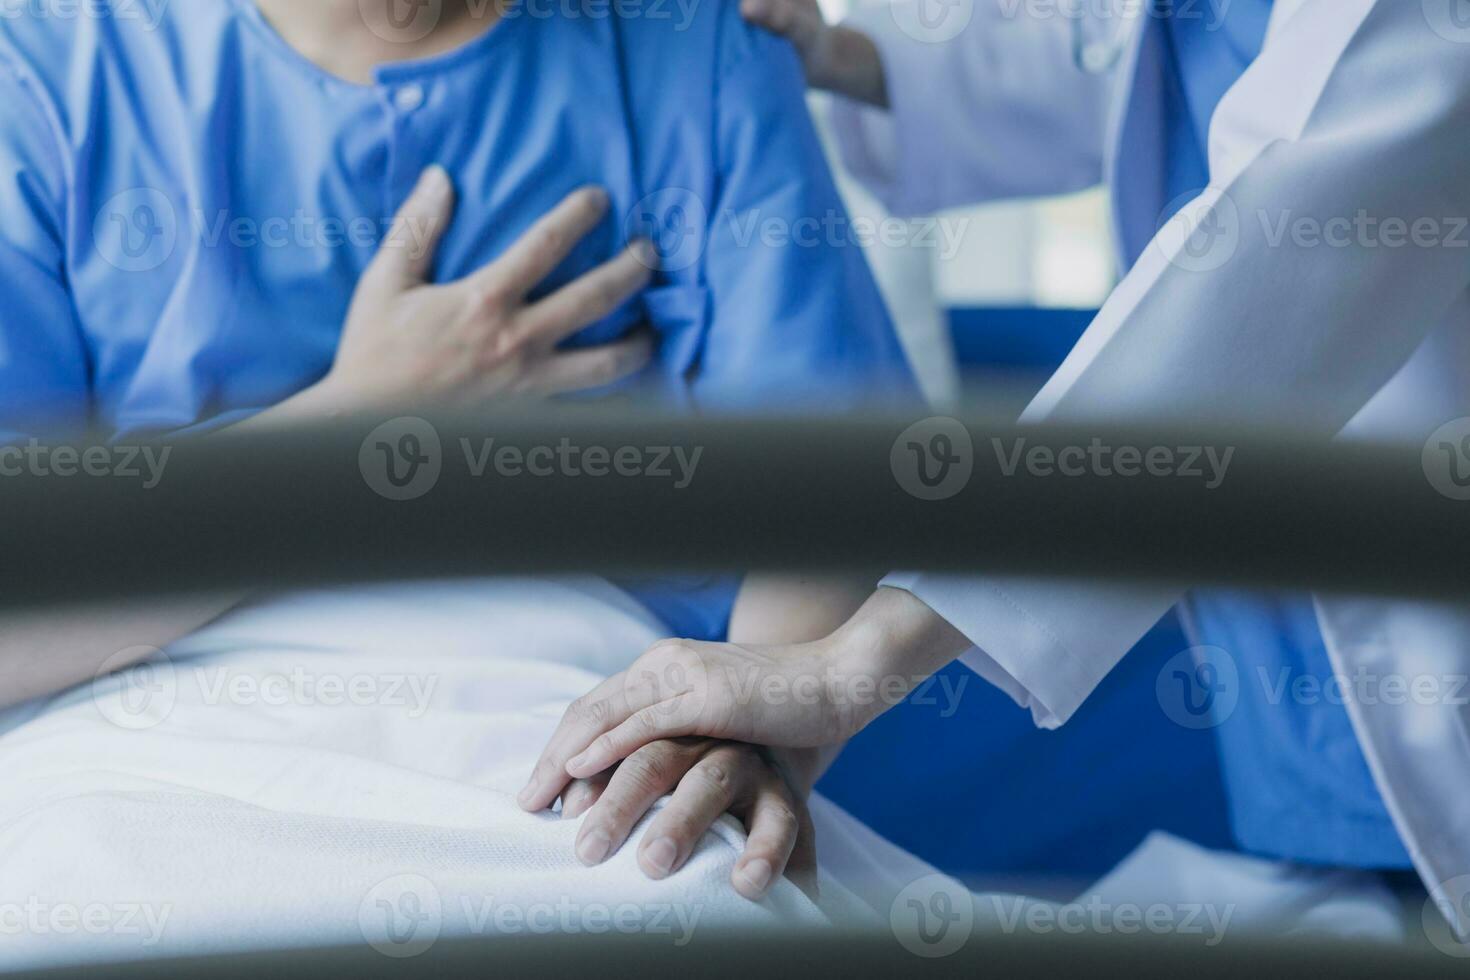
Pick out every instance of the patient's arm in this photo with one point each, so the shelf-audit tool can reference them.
(779, 610)
(775, 609)
(48, 650)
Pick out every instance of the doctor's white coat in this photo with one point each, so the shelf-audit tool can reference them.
(1355, 110)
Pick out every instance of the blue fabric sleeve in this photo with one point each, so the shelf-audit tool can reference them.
(797, 319)
(796, 322)
(44, 365)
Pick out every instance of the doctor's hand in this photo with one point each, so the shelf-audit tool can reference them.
(804, 695)
(765, 791)
(836, 58)
(783, 696)
(408, 340)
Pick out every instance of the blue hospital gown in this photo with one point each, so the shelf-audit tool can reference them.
(188, 205)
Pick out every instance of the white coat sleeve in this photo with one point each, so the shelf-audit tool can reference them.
(999, 111)
(1357, 112)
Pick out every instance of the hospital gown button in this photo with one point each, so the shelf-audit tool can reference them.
(409, 98)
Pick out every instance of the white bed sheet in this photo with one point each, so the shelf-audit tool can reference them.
(340, 766)
(336, 766)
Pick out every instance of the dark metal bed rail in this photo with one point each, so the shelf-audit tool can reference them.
(318, 505)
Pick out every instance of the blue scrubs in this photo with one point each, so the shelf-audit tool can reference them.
(188, 205)
(1298, 785)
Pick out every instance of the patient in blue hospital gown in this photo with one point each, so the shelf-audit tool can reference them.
(189, 203)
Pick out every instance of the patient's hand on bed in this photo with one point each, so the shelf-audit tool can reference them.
(707, 778)
(803, 695)
(712, 772)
